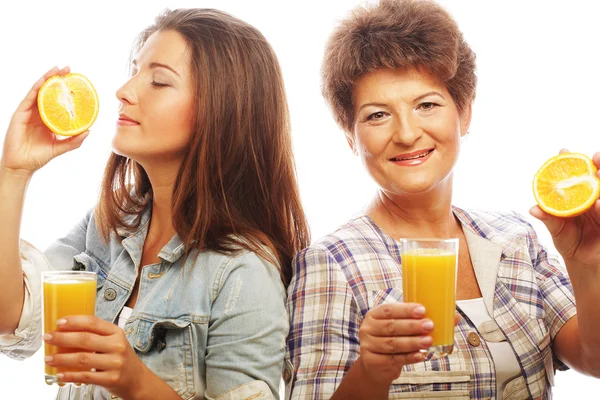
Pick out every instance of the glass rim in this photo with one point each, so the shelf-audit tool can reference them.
(68, 273)
(429, 240)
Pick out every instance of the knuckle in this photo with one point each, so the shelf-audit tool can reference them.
(119, 363)
(83, 359)
(119, 348)
(386, 310)
(84, 339)
(113, 379)
(396, 360)
(390, 344)
(390, 328)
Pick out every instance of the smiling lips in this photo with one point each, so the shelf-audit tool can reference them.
(412, 159)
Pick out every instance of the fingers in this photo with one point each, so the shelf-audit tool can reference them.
(457, 319)
(398, 327)
(71, 143)
(87, 323)
(82, 340)
(104, 379)
(84, 361)
(31, 98)
(596, 159)
(397, 311)
(554, 224)
(397, 345)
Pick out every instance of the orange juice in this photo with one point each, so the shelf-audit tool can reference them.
(429, 278)
(65, 294)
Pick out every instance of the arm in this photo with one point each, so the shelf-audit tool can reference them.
(28, 145)
(12, 196)
(328, 333)
(247, 330)
(577, 239)
(577, 344)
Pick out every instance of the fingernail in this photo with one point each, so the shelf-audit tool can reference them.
(60, 376)
(61, 321)
(420, 310)
(47, 358)
(47, 336)
(418, 357)
(426, 341)
(428, 325)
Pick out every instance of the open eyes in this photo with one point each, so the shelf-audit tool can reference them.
(427, 106)
(376, 116)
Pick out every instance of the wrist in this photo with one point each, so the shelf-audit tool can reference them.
(379, 382)
(15, 174)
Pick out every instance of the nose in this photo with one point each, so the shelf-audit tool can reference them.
(126, 94)
(406, 129)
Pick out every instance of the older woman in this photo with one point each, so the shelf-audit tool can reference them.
(401, 81)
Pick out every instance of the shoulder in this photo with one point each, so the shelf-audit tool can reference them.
(356, 237)
(242, 268)
(495, 224)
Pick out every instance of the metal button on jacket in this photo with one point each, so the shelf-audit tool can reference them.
(110, 294)
(474, 339)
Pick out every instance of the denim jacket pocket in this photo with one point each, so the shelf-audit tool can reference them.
(165, 346)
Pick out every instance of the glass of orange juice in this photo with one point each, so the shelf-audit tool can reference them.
(65, 293)
(429, 278)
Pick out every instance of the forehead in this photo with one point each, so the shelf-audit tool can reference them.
(166, 47)
(385, 81)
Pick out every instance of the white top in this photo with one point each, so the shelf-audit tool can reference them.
(124, 316)
(505, 362)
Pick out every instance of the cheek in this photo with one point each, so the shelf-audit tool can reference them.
(371, 143)
(176, 119)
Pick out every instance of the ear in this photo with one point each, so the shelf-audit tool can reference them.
(465, 119)
(351, 143)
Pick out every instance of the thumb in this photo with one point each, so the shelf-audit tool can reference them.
(72, 143)
(554, 224)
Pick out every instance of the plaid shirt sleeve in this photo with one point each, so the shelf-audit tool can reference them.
(323, 340)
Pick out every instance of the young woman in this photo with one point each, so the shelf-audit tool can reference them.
(192, 238)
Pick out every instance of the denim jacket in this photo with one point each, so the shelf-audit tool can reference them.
(212, 326)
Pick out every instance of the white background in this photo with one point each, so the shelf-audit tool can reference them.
(538, 89)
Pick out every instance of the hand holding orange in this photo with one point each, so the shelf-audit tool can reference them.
(59, 103)
(567, 185)
(68, 104)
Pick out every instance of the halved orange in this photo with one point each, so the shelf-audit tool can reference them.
(567, 185)
(68, 104)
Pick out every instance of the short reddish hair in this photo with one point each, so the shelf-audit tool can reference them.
(397, 34)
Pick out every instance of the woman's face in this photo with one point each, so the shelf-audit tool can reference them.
(407, 130)
(156, 114)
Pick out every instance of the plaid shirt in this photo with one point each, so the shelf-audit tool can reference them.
(341, 277)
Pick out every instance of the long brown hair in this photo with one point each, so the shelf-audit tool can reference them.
(237, 186)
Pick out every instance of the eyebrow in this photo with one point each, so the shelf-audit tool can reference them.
(372, 104)
(415, 100)
(429, 94)
(158, 65)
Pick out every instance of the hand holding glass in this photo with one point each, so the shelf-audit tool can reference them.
(65, 293)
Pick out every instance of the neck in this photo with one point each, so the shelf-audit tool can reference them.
(162, 180)
(427, 215)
